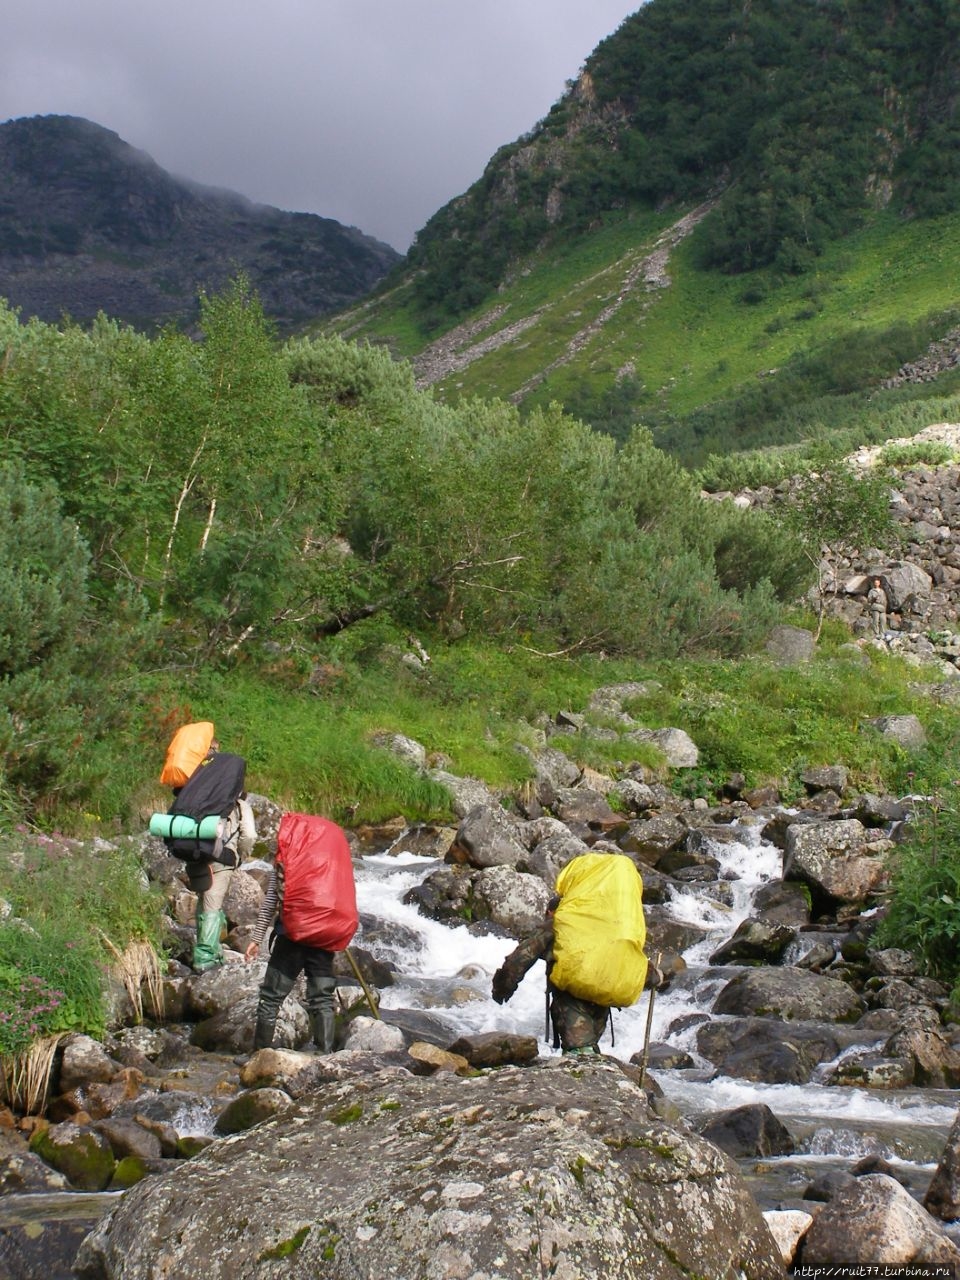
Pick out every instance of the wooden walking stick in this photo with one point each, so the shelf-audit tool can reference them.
(646, 1036)
(366, 990)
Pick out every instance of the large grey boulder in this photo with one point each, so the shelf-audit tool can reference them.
(903, 580)
(678, 748)
(834, 858)
(488, 837)
(874, 1222)
(790, 994)
(766, 1051)
(560, 1169)
(790, 646)
(907, 730)
(512, 899)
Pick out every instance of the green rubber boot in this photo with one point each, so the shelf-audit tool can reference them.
(208, 953)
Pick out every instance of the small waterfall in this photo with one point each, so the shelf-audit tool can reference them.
(447, 970)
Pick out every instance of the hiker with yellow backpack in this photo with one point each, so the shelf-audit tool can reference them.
(592, 941)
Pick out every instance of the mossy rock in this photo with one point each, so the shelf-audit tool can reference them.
(129, 1171)
(81, 1155)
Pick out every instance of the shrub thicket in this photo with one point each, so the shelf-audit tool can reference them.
(145, 500)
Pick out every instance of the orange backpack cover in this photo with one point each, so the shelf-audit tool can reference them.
(187, 748)
(319, 895)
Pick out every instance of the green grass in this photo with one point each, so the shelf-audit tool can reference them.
(73, 907)
(317, 751)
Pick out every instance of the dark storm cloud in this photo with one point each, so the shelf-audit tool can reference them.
(373, 112)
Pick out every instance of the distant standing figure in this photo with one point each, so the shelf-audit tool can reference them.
(877, 603)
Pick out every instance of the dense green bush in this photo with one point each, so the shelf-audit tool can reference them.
(924, 911)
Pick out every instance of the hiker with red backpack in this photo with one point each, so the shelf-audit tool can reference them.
(311, 902)
(592, 941)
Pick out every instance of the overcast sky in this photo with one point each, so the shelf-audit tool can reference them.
(373, 112)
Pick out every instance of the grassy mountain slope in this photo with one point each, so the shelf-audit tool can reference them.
(87, 223)
(726, 189)
(581, 317)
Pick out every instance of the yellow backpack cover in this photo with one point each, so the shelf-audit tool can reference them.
(599, 930)
(187, 748)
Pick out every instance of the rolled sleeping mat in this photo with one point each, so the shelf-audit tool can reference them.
(177, 826)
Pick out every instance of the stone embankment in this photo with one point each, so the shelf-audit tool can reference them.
(921, 577)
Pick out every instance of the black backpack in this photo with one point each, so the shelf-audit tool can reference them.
(212, 789)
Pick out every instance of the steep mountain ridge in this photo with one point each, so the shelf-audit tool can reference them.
(796, 118)
(727, 191)
(88, 223)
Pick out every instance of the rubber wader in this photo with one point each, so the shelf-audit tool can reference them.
(208, 953)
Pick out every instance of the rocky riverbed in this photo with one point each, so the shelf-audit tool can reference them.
(442, 1138)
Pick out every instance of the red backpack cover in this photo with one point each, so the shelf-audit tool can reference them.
(319, 896)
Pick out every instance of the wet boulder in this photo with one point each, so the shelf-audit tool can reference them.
(869, 1069)
(751, 1130)
(783, 902)
(445, 894)
(81, 1154)
(496, 1049)
(755, 942)
(765, 1051)
(128, 1138)
(936, 1063)
(667, 935)
(790, 995)
(650, 838)
(874, 1222)
(562, 1163)
(250, 1108)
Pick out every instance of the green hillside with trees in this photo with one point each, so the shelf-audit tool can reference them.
(734, 226)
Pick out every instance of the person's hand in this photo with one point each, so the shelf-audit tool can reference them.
(501, 988)
(252, 951)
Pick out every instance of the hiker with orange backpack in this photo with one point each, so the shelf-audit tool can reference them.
(592, 942)
(311, 902)
(207, 783)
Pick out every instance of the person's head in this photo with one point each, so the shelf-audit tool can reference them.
(876, 582)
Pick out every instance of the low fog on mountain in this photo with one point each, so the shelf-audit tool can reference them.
(374, 114)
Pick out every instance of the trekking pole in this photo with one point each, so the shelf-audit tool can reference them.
(366, 990)
(646, 1037)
